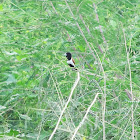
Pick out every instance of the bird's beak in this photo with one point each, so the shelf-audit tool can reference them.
(65, 54)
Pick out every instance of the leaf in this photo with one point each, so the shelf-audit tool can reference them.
(81, 48)
(12, 132)
(25, 117)
(84, 138)
(2, 107)
(10, 53)
(1, 7)
(11, 79)
(113, 23)
(32, 95)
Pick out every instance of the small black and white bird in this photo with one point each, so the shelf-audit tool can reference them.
(70, 60)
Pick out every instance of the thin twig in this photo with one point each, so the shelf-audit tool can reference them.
(100, 27)
(104, 95)
(132, 113)
(62, 112)
(53, 7)
(59, 93)
(128, 94)
(40, 126)
(84, 118)
(90, 32)
(80, 30)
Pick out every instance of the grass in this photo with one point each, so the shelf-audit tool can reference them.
(37, 100)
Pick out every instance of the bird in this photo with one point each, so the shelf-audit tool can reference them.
(70, 60)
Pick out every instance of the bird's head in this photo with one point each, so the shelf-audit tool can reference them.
(68, 55)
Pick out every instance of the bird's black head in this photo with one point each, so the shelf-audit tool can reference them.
(68, 55)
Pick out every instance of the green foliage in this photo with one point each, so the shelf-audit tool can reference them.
(35, 81)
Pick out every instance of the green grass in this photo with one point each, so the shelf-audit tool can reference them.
(35, 81)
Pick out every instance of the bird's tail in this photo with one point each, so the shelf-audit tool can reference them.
(74, 69)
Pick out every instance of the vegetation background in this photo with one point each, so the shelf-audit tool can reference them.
(35, 81)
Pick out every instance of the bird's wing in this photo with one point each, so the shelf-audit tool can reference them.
(73, 61)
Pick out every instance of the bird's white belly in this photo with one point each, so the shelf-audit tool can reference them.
(70, 62)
